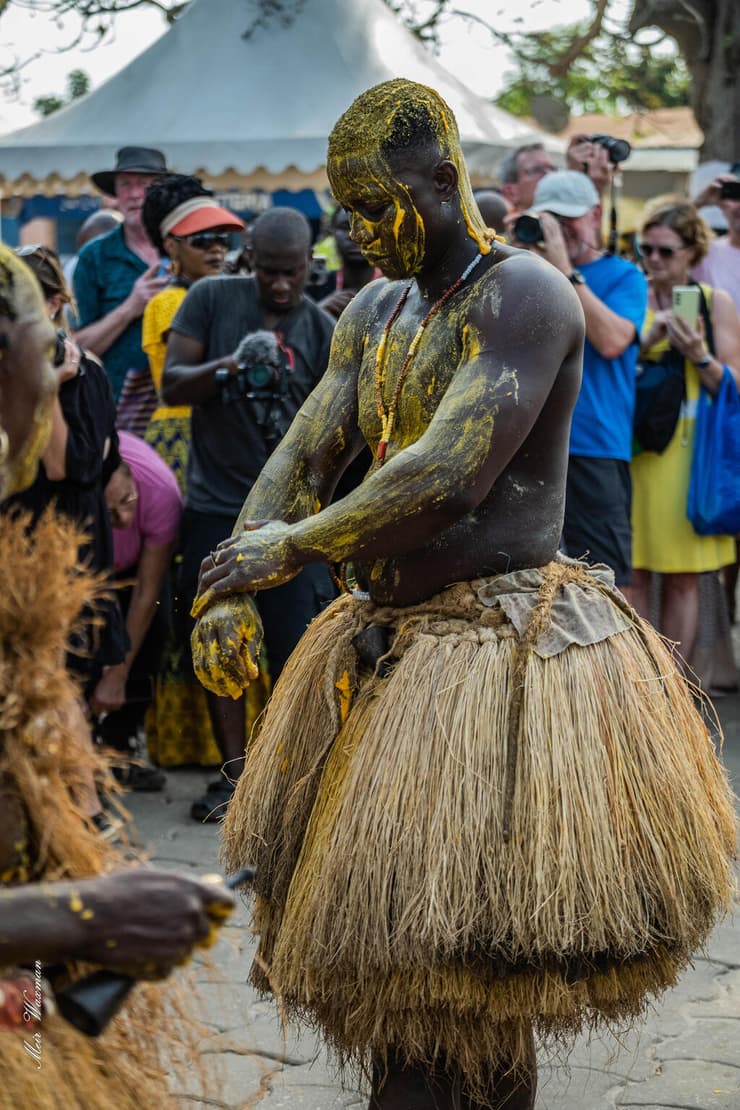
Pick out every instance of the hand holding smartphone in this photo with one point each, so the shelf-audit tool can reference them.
(686, 300)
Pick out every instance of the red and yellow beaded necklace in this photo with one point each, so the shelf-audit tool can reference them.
(387, 418)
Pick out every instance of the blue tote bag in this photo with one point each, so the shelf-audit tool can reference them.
(714, 487)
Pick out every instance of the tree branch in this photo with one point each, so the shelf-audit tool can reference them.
(560, 66)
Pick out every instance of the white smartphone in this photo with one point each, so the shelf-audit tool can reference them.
(686, 303)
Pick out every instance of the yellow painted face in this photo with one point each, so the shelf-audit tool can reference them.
(393, 224)
(383, 219)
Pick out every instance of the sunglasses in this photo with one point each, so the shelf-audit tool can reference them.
(205, 240)
(665, 252)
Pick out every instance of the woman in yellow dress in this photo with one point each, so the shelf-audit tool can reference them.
(674, 238)
(186, 224)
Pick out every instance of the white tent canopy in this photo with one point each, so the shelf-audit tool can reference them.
(248, 112)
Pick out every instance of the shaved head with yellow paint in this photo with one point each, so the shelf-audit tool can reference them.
(386, 131)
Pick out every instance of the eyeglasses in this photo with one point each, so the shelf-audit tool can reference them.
(205, 240)
(126, 500)
(537, 170)
(665, 252)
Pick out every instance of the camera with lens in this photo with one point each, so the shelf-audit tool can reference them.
(60, 352)
(260, 381)
(261, 378)
(528, 229)
(618, 149)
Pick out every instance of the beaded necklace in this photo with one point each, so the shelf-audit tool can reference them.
(387, 419)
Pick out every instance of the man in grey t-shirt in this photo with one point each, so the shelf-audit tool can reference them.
(232, 435)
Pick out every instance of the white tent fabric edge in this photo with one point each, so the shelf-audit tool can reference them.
(254, 111)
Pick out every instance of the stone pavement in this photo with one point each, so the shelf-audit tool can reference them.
(686, 1056)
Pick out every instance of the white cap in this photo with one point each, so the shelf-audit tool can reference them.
(566, 193)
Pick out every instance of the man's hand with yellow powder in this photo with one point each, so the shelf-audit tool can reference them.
(228, 633)
(225, 643)
(258, 557)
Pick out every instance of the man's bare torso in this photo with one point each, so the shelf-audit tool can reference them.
(518, 523)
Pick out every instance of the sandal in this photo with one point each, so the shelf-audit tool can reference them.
(212, 806)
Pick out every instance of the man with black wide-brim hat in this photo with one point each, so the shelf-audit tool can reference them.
(116, 275)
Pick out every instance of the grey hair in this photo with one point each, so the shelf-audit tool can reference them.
(508, 171)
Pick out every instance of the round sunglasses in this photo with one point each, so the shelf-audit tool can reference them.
(205, 240)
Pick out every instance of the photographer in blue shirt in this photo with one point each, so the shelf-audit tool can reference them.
(613, 295)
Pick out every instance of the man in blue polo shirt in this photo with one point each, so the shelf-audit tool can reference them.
(116, 274)
(613, 295)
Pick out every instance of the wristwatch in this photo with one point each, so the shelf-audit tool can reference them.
(704, 361)
(576, 278)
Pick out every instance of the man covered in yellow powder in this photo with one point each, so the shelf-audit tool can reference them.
(481, 804)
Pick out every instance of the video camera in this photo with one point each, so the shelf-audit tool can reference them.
(262, 374)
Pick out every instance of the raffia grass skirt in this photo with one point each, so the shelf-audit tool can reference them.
(475, 839)
(155, 1042)
(126, 1069)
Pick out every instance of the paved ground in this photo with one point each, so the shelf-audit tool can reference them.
(686, 1057)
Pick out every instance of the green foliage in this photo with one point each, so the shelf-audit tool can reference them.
(611, 74)
(46, 105)
(78, 83)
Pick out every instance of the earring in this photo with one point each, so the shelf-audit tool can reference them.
(4, 446)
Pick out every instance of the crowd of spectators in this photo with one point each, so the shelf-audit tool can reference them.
(186, 369)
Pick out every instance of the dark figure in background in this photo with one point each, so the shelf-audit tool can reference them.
(494, 208)
(355, 273)
(235, 428)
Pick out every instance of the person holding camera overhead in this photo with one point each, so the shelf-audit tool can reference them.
(566, 230)
(244, 390)
(673, 239)
(720, 266)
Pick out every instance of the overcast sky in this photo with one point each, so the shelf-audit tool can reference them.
(468, 51)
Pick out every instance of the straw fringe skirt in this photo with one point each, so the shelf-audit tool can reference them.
(154, 1042)
(476, 836)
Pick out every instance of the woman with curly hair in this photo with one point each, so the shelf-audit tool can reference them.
(674, 238)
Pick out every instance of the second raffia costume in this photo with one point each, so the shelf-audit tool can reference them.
(496, 810)
(45, 837)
